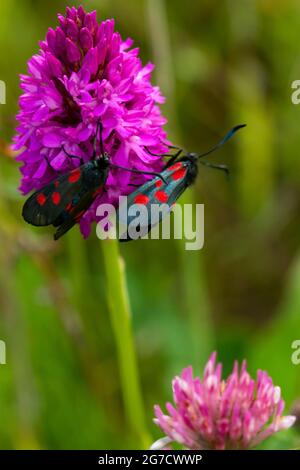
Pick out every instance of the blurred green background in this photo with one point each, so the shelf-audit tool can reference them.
(219, 64)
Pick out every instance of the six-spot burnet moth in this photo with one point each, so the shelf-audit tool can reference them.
(163, 191)
(63, 202)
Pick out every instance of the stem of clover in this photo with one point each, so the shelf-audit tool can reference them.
(120, 312)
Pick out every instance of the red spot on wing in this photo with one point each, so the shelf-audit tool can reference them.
(161, 196)
(55, 198)
(158, 183)
(74, 176)
(79, 215)
(56, 183)
(97, 192)
(178, 174)
(176, 166)
(141, 199)
(41, 199)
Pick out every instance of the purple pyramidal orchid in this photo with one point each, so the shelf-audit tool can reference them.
(84, 73)
(237, 413)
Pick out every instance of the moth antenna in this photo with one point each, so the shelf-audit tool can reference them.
(223, 141)
(217, 167)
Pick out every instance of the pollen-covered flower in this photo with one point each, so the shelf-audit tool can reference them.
(84, 73)
(216, 414)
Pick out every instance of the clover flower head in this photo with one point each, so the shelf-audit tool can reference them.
(236, 413)
(84, 72)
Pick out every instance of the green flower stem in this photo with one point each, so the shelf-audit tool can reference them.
(119, 307)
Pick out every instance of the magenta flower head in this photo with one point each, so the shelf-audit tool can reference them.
(84, 73)
(237, 413)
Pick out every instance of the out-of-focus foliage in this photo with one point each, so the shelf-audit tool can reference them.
(219, 64)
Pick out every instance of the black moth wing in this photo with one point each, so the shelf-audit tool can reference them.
(70, 216)
(162, 192)
(46, 205)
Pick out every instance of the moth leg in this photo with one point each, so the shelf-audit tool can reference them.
(152, 173)
(101, 137)
(73, 156)
(99, 127)
(48, 163)
(158, 154)
(174, 147)
(173, 158)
